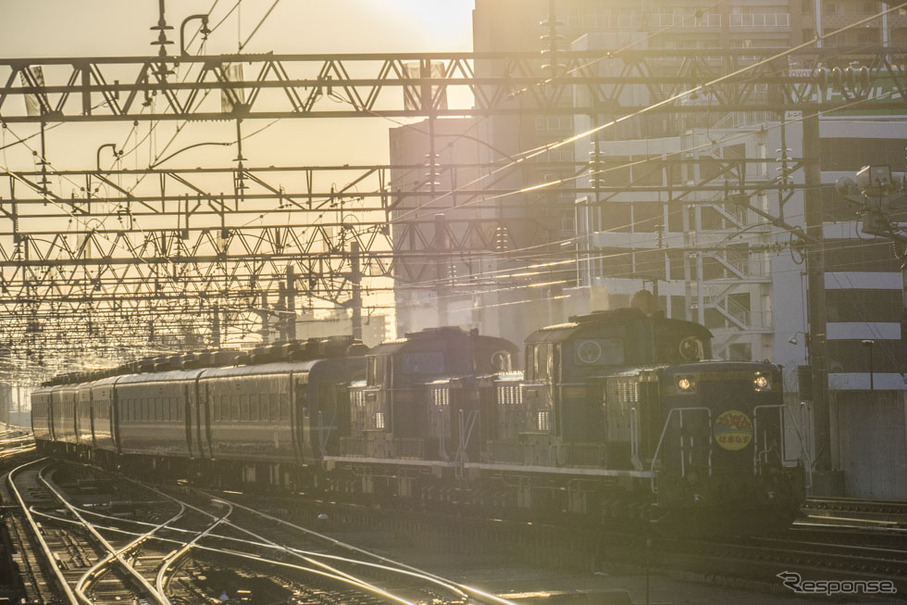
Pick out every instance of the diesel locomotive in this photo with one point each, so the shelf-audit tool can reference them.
(618, 417)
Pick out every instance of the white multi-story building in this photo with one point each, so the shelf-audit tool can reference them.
(702, 208)
(711, 220)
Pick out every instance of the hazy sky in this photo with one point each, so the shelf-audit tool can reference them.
(98, 28)
(114, 28)
(53, 28)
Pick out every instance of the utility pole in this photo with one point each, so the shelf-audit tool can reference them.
(356, 300)
(291, 303)
(824, 481)
(215, 326)
(442, 268)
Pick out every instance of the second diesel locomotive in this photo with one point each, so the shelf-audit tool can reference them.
(619, 416)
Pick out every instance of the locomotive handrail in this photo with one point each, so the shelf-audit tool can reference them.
(634, 438)
(664, 431)
(756, 453)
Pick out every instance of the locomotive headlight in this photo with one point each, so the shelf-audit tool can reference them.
(685, 384)
(761, 382)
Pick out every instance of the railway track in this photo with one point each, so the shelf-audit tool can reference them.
(319, 569)
(44, 555)
(183, 545)
(35, 580)
(75, 547)
(825, 552)
(189, 546)
(856, 512)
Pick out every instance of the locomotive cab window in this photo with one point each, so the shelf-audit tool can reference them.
(598, 352)
(423, 363)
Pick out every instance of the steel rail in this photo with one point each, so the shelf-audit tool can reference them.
(94, 572)
(64, 585)
(107, 545)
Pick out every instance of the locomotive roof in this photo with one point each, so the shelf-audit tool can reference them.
(434, 334)
(559, 332)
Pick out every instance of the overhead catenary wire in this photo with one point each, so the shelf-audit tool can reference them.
(237, 3)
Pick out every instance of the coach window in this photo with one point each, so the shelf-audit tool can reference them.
(274, 405)
(234, 407)
(244, 407)
(284, 399)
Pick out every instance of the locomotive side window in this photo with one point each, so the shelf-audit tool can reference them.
(541, 362)
(377, 370)
(598, 352)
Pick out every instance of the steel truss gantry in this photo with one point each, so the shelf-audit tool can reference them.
(163, 246)
(418, 84)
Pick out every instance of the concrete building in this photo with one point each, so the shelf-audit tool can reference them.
(665, 223)
(667, 217)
